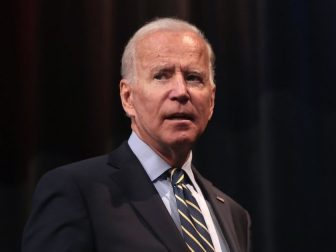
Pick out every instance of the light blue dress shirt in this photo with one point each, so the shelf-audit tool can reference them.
(156, 168)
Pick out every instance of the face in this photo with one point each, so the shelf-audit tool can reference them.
(173, 98)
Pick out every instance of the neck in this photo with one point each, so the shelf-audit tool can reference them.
(175, 154)
(174, 157)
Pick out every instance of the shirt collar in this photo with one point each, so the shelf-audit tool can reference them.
(187, 168)
(153, 164)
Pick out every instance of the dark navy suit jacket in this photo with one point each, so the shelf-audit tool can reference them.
(108, 203)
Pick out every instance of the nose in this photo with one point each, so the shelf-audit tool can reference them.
(179, 90)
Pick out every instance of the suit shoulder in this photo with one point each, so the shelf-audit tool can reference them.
(65, 177)
(88, 166)
(90, 169)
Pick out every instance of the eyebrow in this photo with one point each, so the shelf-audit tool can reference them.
(171, 67)
(162, 67)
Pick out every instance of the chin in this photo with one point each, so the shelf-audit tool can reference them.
(183, 141)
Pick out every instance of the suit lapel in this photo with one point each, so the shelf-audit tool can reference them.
(221, 210)
(140, 191)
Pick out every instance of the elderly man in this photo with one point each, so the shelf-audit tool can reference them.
(146, 195)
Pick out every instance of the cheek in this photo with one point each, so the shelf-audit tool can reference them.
(206, 103)
(140, 99)
(146, 107)
(206, 109)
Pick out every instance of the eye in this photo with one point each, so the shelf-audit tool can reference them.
(194, 78)
(162, 75)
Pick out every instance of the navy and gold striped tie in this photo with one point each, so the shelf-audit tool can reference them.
(194, 229)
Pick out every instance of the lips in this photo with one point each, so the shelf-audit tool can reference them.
(180, 116)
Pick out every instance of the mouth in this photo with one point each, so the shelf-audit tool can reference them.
(180, 116)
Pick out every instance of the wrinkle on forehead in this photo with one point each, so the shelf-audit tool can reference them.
(161, 44)
(157, 41)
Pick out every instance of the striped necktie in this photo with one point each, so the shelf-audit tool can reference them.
(194, 229)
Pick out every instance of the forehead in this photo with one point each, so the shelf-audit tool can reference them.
(172, 45)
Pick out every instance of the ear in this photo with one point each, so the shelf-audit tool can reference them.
(212, 100)
(126, 96)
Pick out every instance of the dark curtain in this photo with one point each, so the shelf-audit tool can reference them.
(271, 143)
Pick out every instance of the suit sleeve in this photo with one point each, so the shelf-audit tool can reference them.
(242, 223)
(59, 221)
(249, 235)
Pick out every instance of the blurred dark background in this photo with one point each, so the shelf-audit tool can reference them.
(271, 144)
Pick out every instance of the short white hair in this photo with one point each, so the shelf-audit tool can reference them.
(128, 71)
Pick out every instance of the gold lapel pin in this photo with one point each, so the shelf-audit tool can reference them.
(220, 199)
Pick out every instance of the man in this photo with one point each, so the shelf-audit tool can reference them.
(146, 195)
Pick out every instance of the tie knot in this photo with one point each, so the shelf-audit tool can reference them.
(176, 176)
